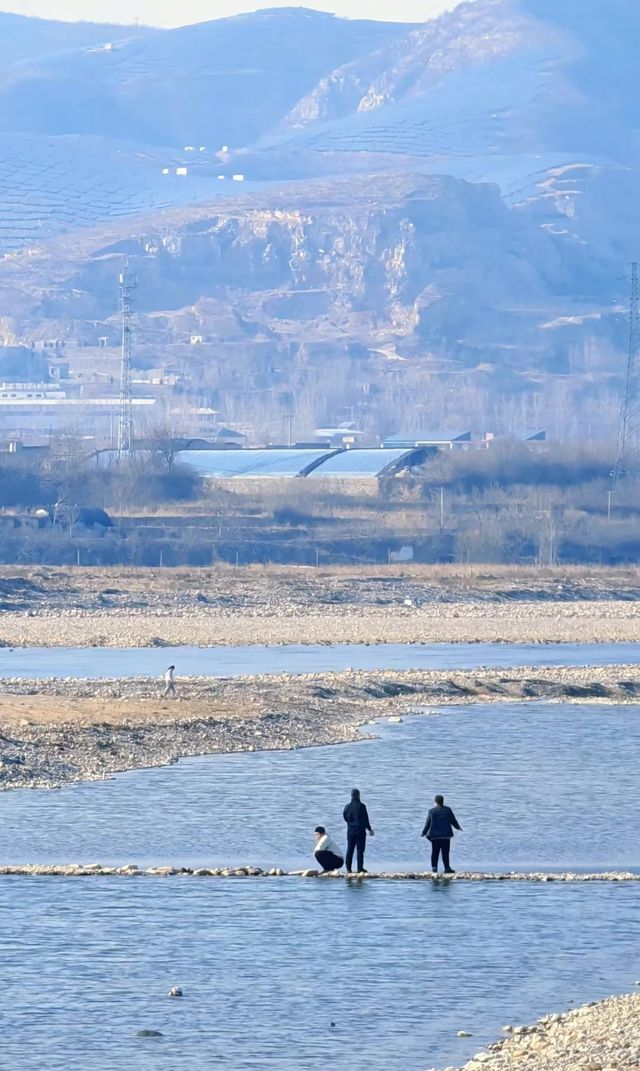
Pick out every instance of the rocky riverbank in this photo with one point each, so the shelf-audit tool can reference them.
(603, 1036)
(550, 622)
(142, 608)
(56, 731)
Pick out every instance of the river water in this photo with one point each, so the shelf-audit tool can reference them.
(534, 786)
(268, 966)
(90, 662)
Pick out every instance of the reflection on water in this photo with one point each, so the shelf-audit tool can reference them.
(534, 785)
(268, 967)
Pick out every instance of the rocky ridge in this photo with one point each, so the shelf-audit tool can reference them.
(440, 208)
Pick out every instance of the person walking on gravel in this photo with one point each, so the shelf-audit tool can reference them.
(358, 825)
(438, 828)
(170, 683)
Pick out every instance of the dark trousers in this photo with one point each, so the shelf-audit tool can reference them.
(329, 861)
(356, 842)
(438, 846)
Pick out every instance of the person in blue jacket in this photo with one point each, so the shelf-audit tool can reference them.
(438, 828)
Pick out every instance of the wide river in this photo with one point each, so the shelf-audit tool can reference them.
(91, 662)
(287, 974)
(267, 967)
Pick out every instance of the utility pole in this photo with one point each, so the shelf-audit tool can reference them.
(289, 419)
(629, 426)
(125, 414)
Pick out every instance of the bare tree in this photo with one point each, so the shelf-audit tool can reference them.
(165, 440)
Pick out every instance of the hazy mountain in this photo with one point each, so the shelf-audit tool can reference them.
(493, 78)
(368, 228)
(497, 90)
(27, 39)
(222, 82)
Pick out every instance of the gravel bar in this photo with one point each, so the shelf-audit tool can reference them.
(601, 1036)
(91, 607)
(298, 623)
(56, 731)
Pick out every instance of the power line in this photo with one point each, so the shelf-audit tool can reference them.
(128, 284)
(629, 426)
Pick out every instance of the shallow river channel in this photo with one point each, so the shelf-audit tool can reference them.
(92, 662)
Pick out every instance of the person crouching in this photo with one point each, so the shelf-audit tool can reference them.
(327, 852)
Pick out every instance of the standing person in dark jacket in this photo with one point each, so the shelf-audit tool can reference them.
(438, 828)
(357, 819)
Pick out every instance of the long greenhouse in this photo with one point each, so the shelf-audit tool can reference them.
(282, 462)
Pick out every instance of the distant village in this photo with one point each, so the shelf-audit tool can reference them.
(44, 396)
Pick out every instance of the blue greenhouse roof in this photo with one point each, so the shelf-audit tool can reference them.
(358, 463)
(248, 464)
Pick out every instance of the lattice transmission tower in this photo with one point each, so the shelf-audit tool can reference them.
(629, 426)
(125, 413)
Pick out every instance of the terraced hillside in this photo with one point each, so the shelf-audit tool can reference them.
(95, 120)
(367, 237)
(221, 82)
(53, 185)
(492, 78)
(506, 91)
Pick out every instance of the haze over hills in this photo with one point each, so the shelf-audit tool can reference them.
(29, 39)
(222, 82)
(340, 243)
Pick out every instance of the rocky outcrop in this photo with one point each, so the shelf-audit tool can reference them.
(397, 259)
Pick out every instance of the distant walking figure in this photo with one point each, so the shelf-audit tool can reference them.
(327, 852)
(356, 816)
(438, 828)
(169, 683)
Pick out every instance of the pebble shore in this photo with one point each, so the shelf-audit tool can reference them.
(602, 1036)
(57, 731)
(278, 605)
(463, 622)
